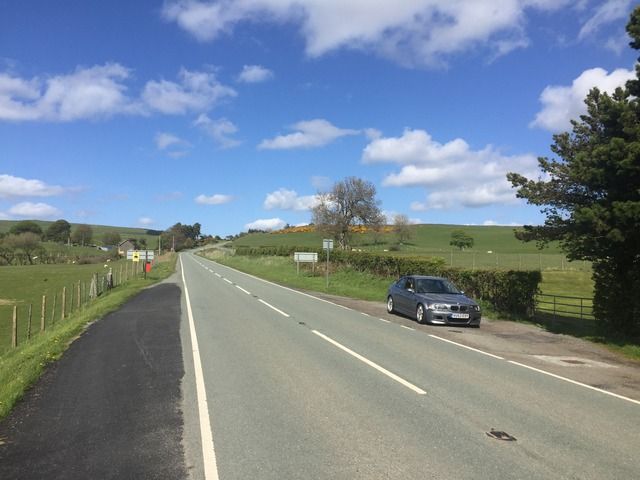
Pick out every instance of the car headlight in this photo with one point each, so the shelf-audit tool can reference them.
(438, 306)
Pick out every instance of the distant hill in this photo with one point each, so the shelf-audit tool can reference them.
(151, 236)
(425, 239)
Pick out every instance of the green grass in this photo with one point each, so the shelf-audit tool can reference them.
(567, 283)
(507, 252)
(424, 237)
(282, 270)
(25, 285)
(21, 367)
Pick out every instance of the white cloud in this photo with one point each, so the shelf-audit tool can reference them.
(216, 199)
(267, 224)
(100, 92)
(165, 140)
(94, 92)
(11, 186)
(453, 174)
(284, 199)
(254, 74)
(219, 130)
(608, 12)
(146, 221)
(309, 134)
(196, 91)
(493, 223)
(34, 210)
(412, 32)
(560, 104)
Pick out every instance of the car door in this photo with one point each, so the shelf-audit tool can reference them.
(406, 297)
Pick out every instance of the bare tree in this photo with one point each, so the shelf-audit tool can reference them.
(350, 202)
(401, 225)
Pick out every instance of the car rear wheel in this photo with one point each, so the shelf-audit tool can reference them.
(390, 308)
(420, 313)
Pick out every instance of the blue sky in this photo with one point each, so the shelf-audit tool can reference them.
(235, 114)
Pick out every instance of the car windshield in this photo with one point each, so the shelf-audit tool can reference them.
(429, 285)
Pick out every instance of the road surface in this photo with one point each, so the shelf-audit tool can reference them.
(297, 387)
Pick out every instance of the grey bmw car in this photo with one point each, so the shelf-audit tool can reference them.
(432, 299)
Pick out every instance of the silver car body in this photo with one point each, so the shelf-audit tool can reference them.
(432, 299)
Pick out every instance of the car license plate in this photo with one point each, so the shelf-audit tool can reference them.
(459, 315)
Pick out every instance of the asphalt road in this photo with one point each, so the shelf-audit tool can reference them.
(222, 375)
(111, 407)
(300, 388)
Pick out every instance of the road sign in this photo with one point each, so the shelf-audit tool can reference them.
(307, 257)
(137, 255)
(327, 244)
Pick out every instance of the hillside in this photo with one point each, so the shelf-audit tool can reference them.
(426, 239)
(98, 231)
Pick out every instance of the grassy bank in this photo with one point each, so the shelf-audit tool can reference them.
(21, 367)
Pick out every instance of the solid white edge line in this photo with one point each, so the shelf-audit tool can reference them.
(467, 347)
(408, 328)
(382, 370)
(206, 435)
(575, 382)
(243, 290)
(273, 308)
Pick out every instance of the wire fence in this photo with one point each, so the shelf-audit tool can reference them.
(510, 261)
(23, 320)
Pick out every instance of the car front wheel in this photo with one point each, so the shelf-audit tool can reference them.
(420, 313)
(390, 304)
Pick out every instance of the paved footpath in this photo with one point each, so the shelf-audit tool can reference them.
(111, 407)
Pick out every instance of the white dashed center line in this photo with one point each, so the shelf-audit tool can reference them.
(382, 370)
(273, 308)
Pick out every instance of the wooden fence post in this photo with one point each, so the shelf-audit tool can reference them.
(53, 310)
(29, 321)
(14, 328)
(78, 302)
(71, 301)
(43, 312)
(64, 302)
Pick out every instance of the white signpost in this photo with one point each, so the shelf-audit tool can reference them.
(305, 257)
(327, 244)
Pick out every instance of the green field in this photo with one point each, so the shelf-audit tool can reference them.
(25, 285)
(98, 231)
(494, 247)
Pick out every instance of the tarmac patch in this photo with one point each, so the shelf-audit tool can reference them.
(573, 361)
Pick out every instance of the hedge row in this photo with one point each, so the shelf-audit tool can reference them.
(507, 291)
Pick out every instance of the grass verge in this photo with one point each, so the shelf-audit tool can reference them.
(349, 283)
(21, 367)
